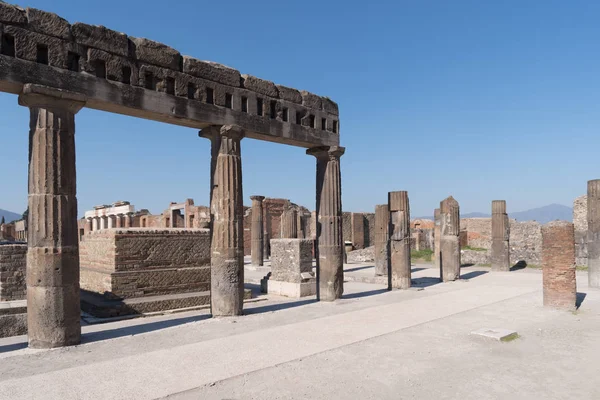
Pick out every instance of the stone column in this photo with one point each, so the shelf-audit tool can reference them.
(95, 223)
(53, 313)
(104, 222)
(382, 239)
(399, 239)
(112, 221)
(593, 235)
(558, 265)
(227, 215)
(119, 220)
(330, 244)
(257, 230)
(127, 223)
(88, 225)
(289, 224)
(500, 237)
(358, 230)
(436, 238)
(449, 240)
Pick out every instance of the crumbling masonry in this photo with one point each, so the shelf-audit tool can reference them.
(399, 239)
(449, 240)
(500, 235)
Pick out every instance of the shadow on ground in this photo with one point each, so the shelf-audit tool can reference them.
(13, 347)
(519, 265)
(472, 274)
(359, 268)
(425, 281)
(364, 294)
(278, 307)
(579, 299)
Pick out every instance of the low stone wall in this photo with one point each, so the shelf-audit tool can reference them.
(13, 262)
(138, 262)
(362, 256)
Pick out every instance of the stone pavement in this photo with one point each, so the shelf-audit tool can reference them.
(370, 344)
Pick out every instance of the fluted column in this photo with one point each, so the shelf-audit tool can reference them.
(436, 238)
(289, 224)
(257, 231)
(500, 237)
(53, 313)
(104, 222)
(593, 238)
(399, 239)
(382, 239)
(449, 241)
(95, 223)
(227, 215)
(330, 244)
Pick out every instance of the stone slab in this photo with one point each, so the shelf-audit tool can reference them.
(499, 334)
(289, 289)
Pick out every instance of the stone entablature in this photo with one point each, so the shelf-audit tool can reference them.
(137, 262)
(146, 79)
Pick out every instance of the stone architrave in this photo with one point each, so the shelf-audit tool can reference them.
(399, 239)
(382, 239)
(437, 238)
(593, 233)
(227, 215)
(500, 237)
(330, 243)
(53, 313)
(257, 231)
(289, 224)
(449, 240)
(558, 265)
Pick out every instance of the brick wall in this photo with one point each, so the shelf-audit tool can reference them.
(13, 261)
(558, 263)
(138, 262)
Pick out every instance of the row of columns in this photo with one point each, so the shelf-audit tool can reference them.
(109, 222)
(53, 314)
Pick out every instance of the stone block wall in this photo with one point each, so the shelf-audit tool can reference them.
(137, 262)
(13, 261)
(581, 227)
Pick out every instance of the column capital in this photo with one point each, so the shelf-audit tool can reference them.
(257, 198)
(214, 131)
(51, 98)
(324, 152)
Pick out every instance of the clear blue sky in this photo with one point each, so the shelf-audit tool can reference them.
(479, 99)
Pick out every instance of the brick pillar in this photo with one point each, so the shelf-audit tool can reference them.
(227, 215)
(382, 239)
(289, 224)
(500, 235)
(437, 232)
(257, 230)
(330, 243)
(593, 234)
(53, 246)
(399, 239)
(558, 265)
(449, 240)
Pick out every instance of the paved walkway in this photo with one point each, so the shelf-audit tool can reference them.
(371, 344)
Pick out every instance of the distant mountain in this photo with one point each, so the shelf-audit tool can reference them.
(9, 216)
(542, 215)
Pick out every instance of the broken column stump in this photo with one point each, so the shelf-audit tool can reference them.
(382, 239)
(500, 256)
(399, 239)
(449, 240)
(558, 265)
(593, 233)
(291, 268)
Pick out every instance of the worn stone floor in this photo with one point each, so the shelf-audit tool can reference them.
(372, 344)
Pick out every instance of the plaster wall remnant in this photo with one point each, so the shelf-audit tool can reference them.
(330, 247)
(399, 239)
(449, 240)
(558, 265)
(593, 233)
(500, 237)
(257, 230)
(382, 239)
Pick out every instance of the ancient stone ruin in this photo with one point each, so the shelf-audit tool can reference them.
(399, 239)
(558, 265)
(500, 237)
(449, 242)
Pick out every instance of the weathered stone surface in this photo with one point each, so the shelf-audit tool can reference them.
(289, 94)
(48, 23)
(289, 224)
(329, 229)
(257, 230)
(12, 14)
(290, 258)
(358, 231)
(13, 324)
(53, 254)
(361, 256)
(260, 86)
(212, 71)
(500, 254)
(227, 210)
(155, 53)
(449, 243)
(330, 106)
(311, 100)
(581, 229)
(593, 233)
(13, 258)
(558, 265)
(26, 46)
(399, 239)
(101, 38)
(382, 238)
